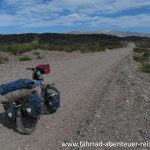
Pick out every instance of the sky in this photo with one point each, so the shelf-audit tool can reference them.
(23, 16)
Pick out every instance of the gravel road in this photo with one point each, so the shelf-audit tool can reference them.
(82, 79)
(122, 115)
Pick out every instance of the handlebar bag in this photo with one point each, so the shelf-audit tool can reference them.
(45, 69)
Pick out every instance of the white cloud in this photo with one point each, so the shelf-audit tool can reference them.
(80, 6)
(36, 13)
(10, 20)
(141, 20)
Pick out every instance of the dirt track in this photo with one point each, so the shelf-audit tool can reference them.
(81, 80)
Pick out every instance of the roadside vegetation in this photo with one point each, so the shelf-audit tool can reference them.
(38, 56)
(141, 52)
(25, 58)
(17, 44)
(20, 43)
(142, 55)
(3, 59)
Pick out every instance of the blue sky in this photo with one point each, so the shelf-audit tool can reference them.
(22, 16)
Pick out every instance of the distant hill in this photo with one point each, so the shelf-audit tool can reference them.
(125, 34)
(115, 33)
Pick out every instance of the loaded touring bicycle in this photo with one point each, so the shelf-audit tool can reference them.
(24, 100)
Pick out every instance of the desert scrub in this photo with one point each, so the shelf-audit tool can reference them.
(18, 44)
(141, 50)
(19, 48)
(38, 56)
(25, 58)
(36, 53)
(139, 58)
(146, 68)
(146, 54)
(142, 55)
(3, 60)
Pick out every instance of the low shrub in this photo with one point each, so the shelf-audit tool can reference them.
(146, 54)
(3, 60)
(25, 58)
(141, 50)
(138, 58)
(146, 68)
(36, 53)
(142, 55)
(39, 57)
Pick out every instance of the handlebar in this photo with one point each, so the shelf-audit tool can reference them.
(32, 69)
